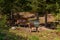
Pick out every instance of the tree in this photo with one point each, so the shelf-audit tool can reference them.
(45, 7)
(38, 6)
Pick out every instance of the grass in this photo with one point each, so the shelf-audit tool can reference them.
(6, 35)
(10, 36)
(58, 28)
(24, 35)
(42, 35)
(33, 38)
(57, 38)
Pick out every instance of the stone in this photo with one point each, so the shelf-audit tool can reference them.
(13, 28)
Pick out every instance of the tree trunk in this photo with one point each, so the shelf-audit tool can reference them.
(11, 14)
(46, 19)
(11, 17)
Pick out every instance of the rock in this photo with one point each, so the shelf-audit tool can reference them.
(13, 28)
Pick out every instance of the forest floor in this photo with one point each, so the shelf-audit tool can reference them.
(43, 34)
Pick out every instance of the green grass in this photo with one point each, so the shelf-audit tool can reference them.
(33, 38)
(58, 28)
(23, 35)
(56, 38)
(42, 35)
(6, 35)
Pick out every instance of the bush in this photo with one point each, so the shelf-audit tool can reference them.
(57, 16)
(10, 36)
(3, 22)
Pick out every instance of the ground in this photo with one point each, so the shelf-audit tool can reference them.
(43, 34)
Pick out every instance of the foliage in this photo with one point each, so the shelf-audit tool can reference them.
(10, 36)
(3, 21)
(29, 5)
(58, 16)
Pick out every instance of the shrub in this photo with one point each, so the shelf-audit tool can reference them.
(3, 22)
(10, 36)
